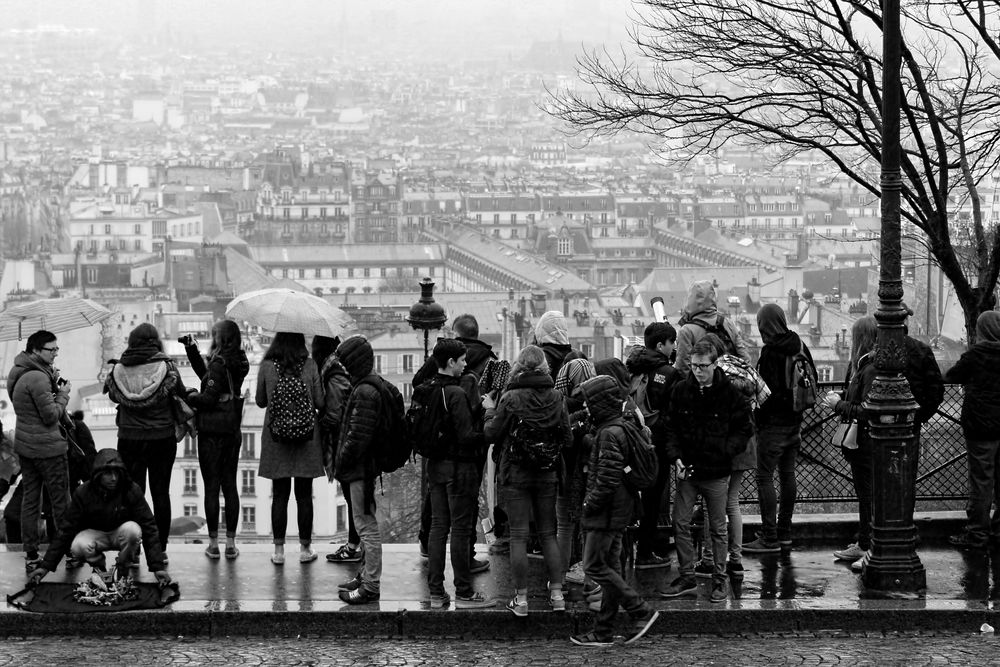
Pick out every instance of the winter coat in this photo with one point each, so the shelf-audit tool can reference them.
(336, 388)
(38, 407)
(93, 507)
(708, 427)
(859, 384)
(552, 336)
(477, 355)
(701, 306)
(355, 460)
(924, 376)
(662, 377)
(144, 390)
(214, 381)
(773, 366)
(532, 397)
(279, 460)
(608, 504)
(978, 371)
(466, 440)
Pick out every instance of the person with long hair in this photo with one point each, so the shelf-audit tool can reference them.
(850, 408)
(218, 441)
(282, 462)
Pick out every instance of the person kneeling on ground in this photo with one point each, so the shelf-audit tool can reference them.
(108, 512)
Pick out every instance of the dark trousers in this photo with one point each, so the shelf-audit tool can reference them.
(861, 472)
(352, 529)
(454, 492)
(155, 457)
(984, 461)
(425, 514)
(652, 499)
(217, 457)
(602, 563)
(281, 491)
(524, 499)
(52, 474)
(777, 449)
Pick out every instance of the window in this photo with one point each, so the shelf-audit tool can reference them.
(513, 218)
(302, 273)
(350, 272)
(496, 218)
(367, 272)
(824, 373)
(286, 213)
(565, 246)
(305, 212)
(191, 481)
(248, 481)
(378, 364)
(333, 272)
(108, 244)
(107, 229)
(407, 361)
(91, 275)
(587, 349)
(318, 273)
(190, 449)
(249, 449)
(407, 391)
(383, 272)
(322, 213)
(137, 245)
(138, 228)
(249, 518)
(190, 510)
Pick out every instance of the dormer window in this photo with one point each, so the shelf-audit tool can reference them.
(565, 246)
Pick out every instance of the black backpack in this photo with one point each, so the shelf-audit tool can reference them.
(427, 421)
(292, 414)
(533, 447)
(642, 466)
(801, 378)
(393, 447)
(719, 330)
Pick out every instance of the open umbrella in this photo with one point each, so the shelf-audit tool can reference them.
(281, 309)
(186, 524)
(55, 315)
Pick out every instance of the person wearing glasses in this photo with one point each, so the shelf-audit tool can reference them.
(39, 397)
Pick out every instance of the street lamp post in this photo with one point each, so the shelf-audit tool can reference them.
(894, 566)
(425, 314)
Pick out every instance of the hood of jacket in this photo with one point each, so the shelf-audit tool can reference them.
(110, 459)
(615, 369)
(601, 396)
(551, 328)
(642, 360)
(701, 301)
(139, 382)
(477, 355)
(988, 326)
(774, 330)
(23, 363)
(537, 401)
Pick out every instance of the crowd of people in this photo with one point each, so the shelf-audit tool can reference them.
(562, 430)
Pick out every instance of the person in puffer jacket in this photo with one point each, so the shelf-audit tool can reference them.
(144, 383)
(608, 508)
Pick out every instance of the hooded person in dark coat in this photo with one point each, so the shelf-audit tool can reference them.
(978, 371)
(552, 336)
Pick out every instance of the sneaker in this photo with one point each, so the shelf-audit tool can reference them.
(594, 592)
(851, 553)
(556, 599)
(535, 552)
(213, 553)
(350, 584)
(680, 587)
(360, 595)
(734, 570)
(307, 555)
(440, 601)
(651, 561)
(592, 639)
(474, 600)
(704, 569)
(966, 541)
(594, 605)
(345, 554)
(278, 559)
(32, 562)
(641, 626)
(517, 608)
(860, 563)
(478, 566)
(718, 593)
(576, 574)
(759, 546)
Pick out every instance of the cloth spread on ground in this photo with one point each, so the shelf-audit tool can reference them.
(60, 598)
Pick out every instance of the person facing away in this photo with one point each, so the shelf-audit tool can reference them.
(552, 336)
(708, 425)
(107, 513)
(143, 383)
(356, 467)
(453, 478)
(219, 451)
(608, 508)
(978, 371)
(701, 315)
(39, 400)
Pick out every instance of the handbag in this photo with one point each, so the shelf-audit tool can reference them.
(185, 419)
(846, 435)
(226, 416)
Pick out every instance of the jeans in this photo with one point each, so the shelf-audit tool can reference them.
(217, 457)
(567, 529)
(157, 458)
(52, 472)
(715, 493)
(281, 489)
(352, 530)
(777, 449)
(602, 563)
(371, 539)
(538, 496)
(651, 501)
(454, 493)
(423, 535)
(734, 527)
(90, 545)
(984, 459)
(861, 472)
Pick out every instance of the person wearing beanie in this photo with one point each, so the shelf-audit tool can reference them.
(144, 384)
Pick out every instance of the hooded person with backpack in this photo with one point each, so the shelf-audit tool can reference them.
(552, 336)
(289, 389)
(701, 316)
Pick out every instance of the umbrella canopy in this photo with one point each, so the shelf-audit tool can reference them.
(186, 524)
(55, 315)
(279, 309)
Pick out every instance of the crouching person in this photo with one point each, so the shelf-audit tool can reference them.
(107, 513)
(608, 508)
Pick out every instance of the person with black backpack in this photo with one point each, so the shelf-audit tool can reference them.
(531, 426)
(701, 316)
(288, 387)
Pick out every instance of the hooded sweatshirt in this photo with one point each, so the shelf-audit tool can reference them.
(780, 345)
(978, 371)
(662, 376)
(38, 408)
(608, 503)
(94, 507)
(552, 336)
(701, 306)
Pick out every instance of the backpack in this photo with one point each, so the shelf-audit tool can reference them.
(293, 417)
(802, 381)
(638, 391)
(642, 465)
(427, 421)
(393, 446)
(719, 330)
(924, 376)
(532, 447)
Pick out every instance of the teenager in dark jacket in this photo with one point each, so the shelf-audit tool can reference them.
(107, 513)
(653, 361)
(708, 425)
(608, 508)
(219, 451)
(779, 431)
(144, 383)
(978, 371)
(530, 398)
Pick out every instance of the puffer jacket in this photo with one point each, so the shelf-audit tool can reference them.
(707, 428)
(38, 408)
(355, 458)
(662, 377)
(93, 507)
(608, 504)
(145, 396)
(978, 370)
(336, 388)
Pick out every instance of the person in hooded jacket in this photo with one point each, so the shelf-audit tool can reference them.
(779, 431)
(530, 398)
(608, 507)
(219, 452)
(144, 383)
(978, 371)
(39, 400)
(552, 335)
(109, 512)
(701, 316)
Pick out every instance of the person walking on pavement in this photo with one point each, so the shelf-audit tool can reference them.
(608, 508)
(284, 460)
(39, 398)
(708, 425)
(978, 371)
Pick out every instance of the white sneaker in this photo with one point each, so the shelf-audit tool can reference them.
(852, 553)
(575, 574)
(860, 563)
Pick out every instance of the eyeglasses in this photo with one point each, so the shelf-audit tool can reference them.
(702, 367)
(51, 349)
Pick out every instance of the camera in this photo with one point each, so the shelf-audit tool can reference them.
(186, 340)
(61, 382)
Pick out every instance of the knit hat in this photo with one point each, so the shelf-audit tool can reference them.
(357, 356)
(572, 374)
(551, 328)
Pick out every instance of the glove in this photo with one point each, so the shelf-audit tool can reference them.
(162, 578)
(37, 575)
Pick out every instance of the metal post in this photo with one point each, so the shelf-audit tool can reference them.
(894, 566)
